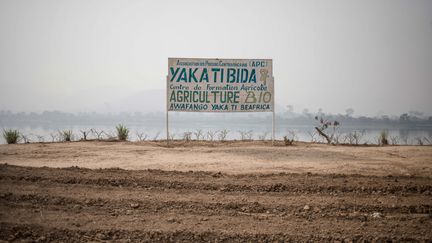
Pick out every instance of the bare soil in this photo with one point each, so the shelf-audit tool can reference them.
(200, 192)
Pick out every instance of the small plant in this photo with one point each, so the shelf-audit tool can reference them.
(187, 136)
(141, 136)
(85, 134)
(41, 139)
(246, 135)
(383, 138)
(419, 141)
(25, 138)
(122, 132)
(11, 136)
(353, 138)
(211, 135)
(156, 136)
(198, 134)
(223, 135)
(323, 125)
(290, 138)
(54, 137)
(312, 135)
(66, 135)
(394, 140)
(98, 134)
(288, 141)
(263, 136)
(112, 135)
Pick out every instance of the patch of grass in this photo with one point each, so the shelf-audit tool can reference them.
(66, 135)
(11, 136)
(122, 132)
(383, 138)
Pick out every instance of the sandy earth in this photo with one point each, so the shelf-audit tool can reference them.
(229, 157)
(201, 192)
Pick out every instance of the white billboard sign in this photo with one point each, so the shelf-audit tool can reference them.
(220, 85)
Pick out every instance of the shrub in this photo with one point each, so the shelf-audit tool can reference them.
(141, 136)
(85, 134)
(323, 125)
(156, 136)
(198, 134)
(288, 141)
(11, 136)
(263, 136)
(122, 132)
(383, 138)
(66, 135)
(246, 135)
(211, 135)
(187, 136)
(97, 134)
(223, 135)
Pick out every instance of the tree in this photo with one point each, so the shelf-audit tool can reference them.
(404, 117)
(349, 112)
(323, 125)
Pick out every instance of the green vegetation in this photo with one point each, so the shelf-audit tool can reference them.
(122, 132)
(383, 138)
(11, 136)
(66, 135)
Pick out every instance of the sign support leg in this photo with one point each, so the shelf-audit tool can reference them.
(273, 127)
(167, 128)
(167, 113)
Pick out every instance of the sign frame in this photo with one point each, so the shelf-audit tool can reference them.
(220, 59)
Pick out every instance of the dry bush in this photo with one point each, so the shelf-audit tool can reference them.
(246, 135)
(323, 125)
(98, 134)
(84, 134)
(156, 136)
(141, 136)
(211, 135)
(223, 135)
(187, 136)
(263, 136)
(198, 134)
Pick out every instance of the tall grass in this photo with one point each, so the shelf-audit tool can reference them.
(11, 136)
(122, 132)
(66, 135)
(383, 138)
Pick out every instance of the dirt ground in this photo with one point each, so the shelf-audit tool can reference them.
(218, 192)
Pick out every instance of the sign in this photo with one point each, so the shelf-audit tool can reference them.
(220, 85)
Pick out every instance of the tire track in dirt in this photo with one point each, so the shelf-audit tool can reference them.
(115, 207)
(42, 234)
(152, 205)
(296, 183)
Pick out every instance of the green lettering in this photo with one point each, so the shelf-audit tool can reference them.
(182, 76)
(231, 75)
(252, 77)
(204, 75)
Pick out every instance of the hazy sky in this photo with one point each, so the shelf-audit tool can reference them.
(372, 55)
